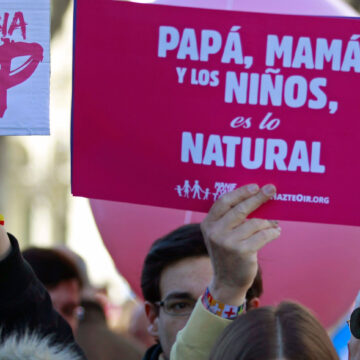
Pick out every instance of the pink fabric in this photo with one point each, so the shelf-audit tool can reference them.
(305, 7)
(315, 264)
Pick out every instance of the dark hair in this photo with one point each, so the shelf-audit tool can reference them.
(51, 266)
(185, 242)
(355, 323)
(288, 331)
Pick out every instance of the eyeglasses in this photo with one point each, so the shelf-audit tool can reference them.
(177, 306)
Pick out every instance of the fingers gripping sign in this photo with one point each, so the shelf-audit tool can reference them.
(233, 241)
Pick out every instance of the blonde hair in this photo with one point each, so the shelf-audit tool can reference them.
(287, 331)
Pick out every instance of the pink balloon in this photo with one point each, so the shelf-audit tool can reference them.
(312, 263)
(303, 7)
(128, 230)
(315, 264)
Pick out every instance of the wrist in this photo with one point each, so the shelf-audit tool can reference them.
(231, 295)
(223, 310)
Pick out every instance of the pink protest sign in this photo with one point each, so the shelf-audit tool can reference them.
(175, 106)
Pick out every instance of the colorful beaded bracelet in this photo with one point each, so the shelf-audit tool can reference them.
(225, 311)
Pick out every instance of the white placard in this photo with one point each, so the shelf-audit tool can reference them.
(24, 67)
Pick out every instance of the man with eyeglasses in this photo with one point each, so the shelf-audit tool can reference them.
(220, 258)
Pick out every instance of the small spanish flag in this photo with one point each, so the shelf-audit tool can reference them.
(2, 220)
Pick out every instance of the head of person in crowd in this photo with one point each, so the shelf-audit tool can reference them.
(61, 278)
(354, 323)
(175, 274)
(286, 332)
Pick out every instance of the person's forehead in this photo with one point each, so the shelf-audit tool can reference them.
(190, 275)
(65, 290)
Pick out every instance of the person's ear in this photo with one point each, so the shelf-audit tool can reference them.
(152, 313)
(254, 303)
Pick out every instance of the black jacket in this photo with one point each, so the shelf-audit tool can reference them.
(25, 305)
(153, 353)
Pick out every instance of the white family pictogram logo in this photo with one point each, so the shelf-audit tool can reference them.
(197, 192)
